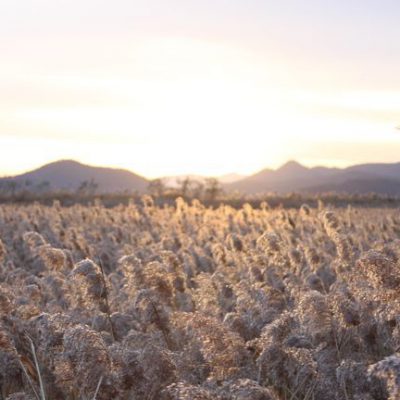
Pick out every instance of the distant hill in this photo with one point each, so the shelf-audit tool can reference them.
(70, 175)
(294, 177)
(291, 177)
(175, 181)
(230, 178)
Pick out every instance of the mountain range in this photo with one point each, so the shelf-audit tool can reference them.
(294, 177)
(291, 177)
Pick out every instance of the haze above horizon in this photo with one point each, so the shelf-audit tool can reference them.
(209, 88)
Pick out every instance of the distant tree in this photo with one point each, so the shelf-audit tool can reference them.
(197, 190)
(157, 188)
(185, 186)
(11, 187)
(212, 189)
(43, 186)
(88, 187)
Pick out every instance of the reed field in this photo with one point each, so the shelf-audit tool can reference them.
(185, 302)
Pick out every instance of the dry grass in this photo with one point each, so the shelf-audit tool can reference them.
(184, 302)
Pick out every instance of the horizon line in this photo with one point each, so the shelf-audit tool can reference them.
(183, 175)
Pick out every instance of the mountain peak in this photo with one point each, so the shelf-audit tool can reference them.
(63, 163)
(70, 174)
(292, 166)
(294, 177)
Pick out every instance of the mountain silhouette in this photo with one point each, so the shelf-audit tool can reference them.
(294, 177)
(291, 177)
(70, 175)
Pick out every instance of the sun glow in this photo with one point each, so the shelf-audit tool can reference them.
(182, 104)
(192, 111)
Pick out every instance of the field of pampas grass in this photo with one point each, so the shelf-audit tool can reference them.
(186, 302)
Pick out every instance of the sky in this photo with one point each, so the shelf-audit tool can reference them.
(198, 87)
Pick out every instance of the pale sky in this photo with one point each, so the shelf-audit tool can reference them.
(198, 87)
